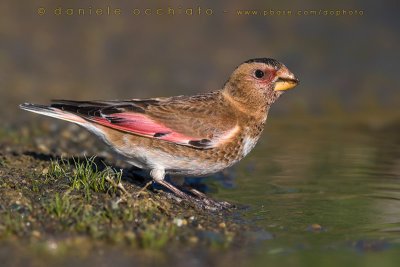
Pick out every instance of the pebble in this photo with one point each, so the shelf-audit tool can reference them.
(66, 134)
(179, 222)
(36, 233)
(43, 148)
(114, 204)
(194, 239)
(52, 245)
(130, 235)
(315, 227)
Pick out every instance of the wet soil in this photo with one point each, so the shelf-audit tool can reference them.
(57, 206)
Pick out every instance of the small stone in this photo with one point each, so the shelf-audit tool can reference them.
(316, 226)
(66, 134)
(222, 225)
(178, 222)
(52, 245)
(36, 233)
(43, 148)
(114, 205)
(15, 207)
(130, 236)
(194, 239)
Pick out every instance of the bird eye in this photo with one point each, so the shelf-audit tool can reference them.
(259, 74)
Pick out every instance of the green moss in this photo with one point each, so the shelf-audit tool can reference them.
(156, 236)
(62, 206)
(12, 224)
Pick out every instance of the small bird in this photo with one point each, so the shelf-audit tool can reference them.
(184, 135)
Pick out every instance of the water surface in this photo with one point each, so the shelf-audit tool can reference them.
(327, 191)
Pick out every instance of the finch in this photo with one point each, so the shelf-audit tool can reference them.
(184, 135)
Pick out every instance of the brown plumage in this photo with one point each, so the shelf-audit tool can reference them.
(185, 135)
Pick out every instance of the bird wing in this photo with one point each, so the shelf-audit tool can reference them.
(190, 121)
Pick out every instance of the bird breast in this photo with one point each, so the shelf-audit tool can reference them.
(248, 144)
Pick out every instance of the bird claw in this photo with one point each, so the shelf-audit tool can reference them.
(205, 204)
(208, 200)
(203, 201)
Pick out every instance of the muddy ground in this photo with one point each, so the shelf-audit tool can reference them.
(61, 204)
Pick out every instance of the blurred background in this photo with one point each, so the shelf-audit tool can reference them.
(324, 176)
(346, 63)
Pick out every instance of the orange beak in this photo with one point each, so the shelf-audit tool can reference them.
(286, 80)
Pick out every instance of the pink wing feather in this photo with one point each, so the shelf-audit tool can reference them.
(141, 125)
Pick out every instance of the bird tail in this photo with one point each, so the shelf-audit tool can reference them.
(53, 112)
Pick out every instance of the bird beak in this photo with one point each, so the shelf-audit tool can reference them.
(286, 80)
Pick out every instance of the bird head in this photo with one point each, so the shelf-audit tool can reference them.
(259, 82)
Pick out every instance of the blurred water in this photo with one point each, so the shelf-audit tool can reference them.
(326, 193)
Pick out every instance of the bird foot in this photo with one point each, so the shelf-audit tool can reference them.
(203, 201)
(210, 201)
